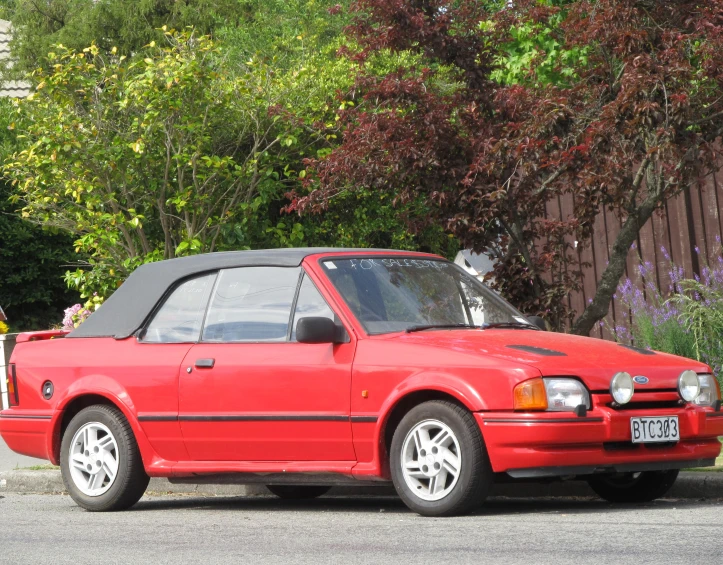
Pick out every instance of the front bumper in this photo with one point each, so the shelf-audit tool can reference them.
(527, 445)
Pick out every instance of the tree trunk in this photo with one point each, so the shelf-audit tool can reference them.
(612, 274)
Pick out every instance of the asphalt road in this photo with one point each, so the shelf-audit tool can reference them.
(176, 530)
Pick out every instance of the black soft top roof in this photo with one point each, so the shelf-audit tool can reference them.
(129, 306)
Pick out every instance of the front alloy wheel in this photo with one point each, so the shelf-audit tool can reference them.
(431, 460)
(438, 460)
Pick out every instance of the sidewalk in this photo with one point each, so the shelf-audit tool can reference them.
(691, 485)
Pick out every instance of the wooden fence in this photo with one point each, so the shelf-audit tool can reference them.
(689, 230)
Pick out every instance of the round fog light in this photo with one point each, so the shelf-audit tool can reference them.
(688, 385)
(622, 387)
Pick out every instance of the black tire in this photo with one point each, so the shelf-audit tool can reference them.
(130, 481)
(297, 492)
(475, 475)
(633, 487)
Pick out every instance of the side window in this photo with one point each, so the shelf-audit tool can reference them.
(309, 303)
(251, 304)
(179, 319)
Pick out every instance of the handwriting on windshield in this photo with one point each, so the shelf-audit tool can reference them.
(366, 264)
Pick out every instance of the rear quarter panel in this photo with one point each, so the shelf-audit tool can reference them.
(134, 376)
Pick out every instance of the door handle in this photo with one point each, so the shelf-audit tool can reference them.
(205, 363)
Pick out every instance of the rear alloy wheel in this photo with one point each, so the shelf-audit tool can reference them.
(100, 461)
(633, 487)
(438, 460)
(297, 492)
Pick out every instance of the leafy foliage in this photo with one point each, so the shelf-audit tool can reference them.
(188, 145)
(148, 158)
(367, 218)
(127, 25)
(32, 259)
(287, 33)
(300, 40)
(686, 320)
(701, 313)
(32, 262)
(535, 53)
(616, 103)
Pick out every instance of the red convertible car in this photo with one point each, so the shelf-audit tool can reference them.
(306, 368)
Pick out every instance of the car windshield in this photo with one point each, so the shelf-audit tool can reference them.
(392, 294)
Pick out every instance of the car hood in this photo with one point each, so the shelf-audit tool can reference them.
(593, 360)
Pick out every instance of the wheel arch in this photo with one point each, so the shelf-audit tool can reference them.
(403, 406)
(412, 394)
(71, 405)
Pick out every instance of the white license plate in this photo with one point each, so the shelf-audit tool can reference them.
(658, 429)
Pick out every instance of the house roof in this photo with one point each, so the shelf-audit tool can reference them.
(126, 310)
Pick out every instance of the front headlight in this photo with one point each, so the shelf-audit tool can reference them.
(622, 387)
(709, 391)
(688, 385)
(554, 394)
(564, 395)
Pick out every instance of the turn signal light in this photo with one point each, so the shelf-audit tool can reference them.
(530, 395)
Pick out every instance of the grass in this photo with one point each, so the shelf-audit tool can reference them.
(46, 467)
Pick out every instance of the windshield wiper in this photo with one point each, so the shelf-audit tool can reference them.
(440, 326)
(510, 325)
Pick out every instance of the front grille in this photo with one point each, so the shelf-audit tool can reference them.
(655, 399)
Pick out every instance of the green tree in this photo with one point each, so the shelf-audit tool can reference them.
(288, 33)
(192, 146)
(127, 25)
(151, 157)
(32, 260)
(616, 104)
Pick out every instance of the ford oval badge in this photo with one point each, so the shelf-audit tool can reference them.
(641, 380)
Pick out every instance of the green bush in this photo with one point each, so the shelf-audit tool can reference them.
(687, 320)
(32, 263)
(33, 260)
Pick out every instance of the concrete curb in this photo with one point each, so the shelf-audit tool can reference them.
(691, 485)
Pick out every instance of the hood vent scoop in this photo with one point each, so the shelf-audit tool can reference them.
(538, 350)
(637, 349)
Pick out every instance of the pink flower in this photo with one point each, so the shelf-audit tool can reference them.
(74, 316)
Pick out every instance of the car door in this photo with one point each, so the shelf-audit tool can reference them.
(149, 366)
(249, 391)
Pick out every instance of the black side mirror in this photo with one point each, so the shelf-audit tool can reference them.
(318, 330)
(539, 322)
